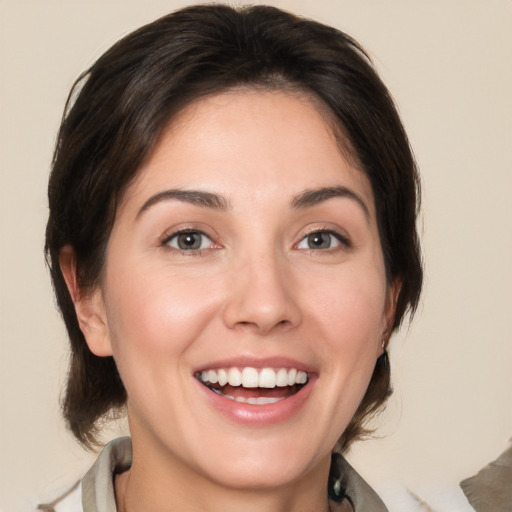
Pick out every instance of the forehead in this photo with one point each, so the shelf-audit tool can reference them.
(258, 142)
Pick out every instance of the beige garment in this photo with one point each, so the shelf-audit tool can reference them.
(97, 486)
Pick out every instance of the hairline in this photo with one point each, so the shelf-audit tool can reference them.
(273, 84)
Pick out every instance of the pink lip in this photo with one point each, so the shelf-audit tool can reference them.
(242, 362)
(258, 415)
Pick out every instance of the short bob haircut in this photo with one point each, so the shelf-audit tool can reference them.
(118, 108)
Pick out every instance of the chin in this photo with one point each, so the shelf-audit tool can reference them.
(268, 464)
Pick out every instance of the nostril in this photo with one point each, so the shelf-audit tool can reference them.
(262, 310)
(263, 328)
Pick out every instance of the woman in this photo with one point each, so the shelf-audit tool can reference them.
(232, 243)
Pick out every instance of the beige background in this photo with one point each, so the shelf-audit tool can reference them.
(448, 64)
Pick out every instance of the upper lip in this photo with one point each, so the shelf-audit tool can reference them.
(258, 363)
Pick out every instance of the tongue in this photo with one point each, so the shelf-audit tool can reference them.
(240, 391)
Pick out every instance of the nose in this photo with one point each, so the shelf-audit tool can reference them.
(261, 296)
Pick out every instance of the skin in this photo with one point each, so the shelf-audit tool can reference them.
(256, 289)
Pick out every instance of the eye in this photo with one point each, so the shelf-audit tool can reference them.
(189, 241)
(320, 240)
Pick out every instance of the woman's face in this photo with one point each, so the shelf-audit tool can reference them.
(246, 251)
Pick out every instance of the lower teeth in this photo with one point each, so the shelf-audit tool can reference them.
(261, 400)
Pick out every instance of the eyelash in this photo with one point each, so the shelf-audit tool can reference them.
(341, 238)
(176, 234)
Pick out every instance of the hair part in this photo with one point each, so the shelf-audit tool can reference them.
(117, 110)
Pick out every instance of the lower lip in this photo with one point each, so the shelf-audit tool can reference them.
(259, 415)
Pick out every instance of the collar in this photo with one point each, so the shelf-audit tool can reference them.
(348, 492)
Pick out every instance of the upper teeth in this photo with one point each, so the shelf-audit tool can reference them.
(254, 378)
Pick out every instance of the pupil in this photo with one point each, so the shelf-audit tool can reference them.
(319, 240)
(189, 241)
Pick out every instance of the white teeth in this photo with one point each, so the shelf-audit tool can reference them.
(282, 378)
(223, 377)
(267, 378)
(253, 378)
(261, 400)
(234, 377)
(250, 378)
(302, 377)
(291, 376)
(267, 400)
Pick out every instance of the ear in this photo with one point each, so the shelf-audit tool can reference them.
(89, 306)
(390, 308)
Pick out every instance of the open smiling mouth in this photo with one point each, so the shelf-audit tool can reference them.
(254, 386)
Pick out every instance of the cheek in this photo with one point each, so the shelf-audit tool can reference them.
(351, 323)
(351, 306)
(154, 317)
(345, 319)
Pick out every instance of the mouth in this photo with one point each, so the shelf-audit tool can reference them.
(255, 386)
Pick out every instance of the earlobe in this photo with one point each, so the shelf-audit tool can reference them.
(89, 306)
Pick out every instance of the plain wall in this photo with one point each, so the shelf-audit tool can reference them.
(448, 65)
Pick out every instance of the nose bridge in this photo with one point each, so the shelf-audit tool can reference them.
(261, 294)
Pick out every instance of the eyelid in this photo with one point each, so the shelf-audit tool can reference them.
(177, 231)
(169, 235)
(340, 236)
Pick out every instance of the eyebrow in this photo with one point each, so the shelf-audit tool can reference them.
(305, 199)
(195, 197)
(316, 196)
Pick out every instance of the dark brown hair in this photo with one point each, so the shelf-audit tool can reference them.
(118, 108)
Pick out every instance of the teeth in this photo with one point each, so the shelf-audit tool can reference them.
(282, 378)
(267, 378)
(261, 400)
(253, 378)
(223, 377)
(250, 378)
(234, 377)
(302, 377)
